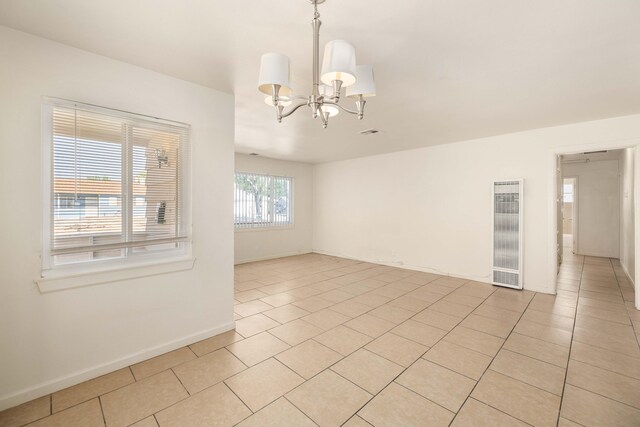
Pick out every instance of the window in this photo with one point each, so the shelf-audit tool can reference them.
(263, 201)
(568, 192)
(117, 185)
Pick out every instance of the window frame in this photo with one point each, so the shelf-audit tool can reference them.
(135, 262)
(271, 225)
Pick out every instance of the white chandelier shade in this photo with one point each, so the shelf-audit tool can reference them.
(274, 70)
(339, 63)
(365, 84)
(332, 110)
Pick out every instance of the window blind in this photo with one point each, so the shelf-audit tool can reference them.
(263, 200)
(116, 184)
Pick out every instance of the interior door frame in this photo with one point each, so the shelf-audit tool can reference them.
(575, 227)
(552, 194)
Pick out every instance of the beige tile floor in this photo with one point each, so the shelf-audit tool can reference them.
(328, 341)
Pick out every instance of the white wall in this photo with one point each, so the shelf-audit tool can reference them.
(598, 215)
(253, 245)
(53, 340)
(430, 208)
(627, 196)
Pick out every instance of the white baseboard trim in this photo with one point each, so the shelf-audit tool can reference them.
(268, 257)
(626, 272)
(580, 253)
(482, 279)
(39, 390)
(399, 264)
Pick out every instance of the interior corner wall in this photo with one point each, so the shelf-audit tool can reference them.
(598, 216)
(260, 244)
(53, 340)
(627, 222)
(430, 208)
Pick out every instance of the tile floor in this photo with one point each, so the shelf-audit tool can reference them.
(327, 341)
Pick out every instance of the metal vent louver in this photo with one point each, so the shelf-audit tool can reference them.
(507, 233)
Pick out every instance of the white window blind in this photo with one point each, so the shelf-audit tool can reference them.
(263, 201)
(117, 184)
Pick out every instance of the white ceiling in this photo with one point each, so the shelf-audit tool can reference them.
(446, 70)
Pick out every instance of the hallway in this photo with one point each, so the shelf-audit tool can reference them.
(602, 386)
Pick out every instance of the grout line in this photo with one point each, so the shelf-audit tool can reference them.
(566, 372)
(295, 406)
(535, 358)
(404, 368)
(489, 365)
(497, 409)
(453, 289)
(607, 370)
(524, 382)
(239, 398)
(635, 408)
(186, 398)
(342, 358)
(104, 419)
(91, 398)
(424, 397)
(181, 383)
(606, 334)
(354, 416)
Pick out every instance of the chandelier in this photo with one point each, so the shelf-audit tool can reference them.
(339, 70)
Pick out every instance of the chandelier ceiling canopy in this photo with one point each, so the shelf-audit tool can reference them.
(339, 69)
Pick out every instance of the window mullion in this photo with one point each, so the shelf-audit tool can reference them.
(127, 184)
(178, 203)
(273, 203)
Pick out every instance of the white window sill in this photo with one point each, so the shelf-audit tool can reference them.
(54, 280)
(266, 228)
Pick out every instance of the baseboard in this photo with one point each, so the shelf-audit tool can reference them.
(595, 255)
(482, 279)
(400, 264)
(626, 273)
(269, 257)
(43, 389)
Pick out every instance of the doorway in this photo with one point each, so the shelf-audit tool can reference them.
(593, 216)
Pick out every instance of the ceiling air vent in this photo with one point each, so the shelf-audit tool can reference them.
(368, 131)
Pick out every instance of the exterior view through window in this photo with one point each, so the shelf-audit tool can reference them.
(117, 184)
(262, 201)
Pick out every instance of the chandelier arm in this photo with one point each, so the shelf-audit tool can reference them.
(346, 110)
(294, 109)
